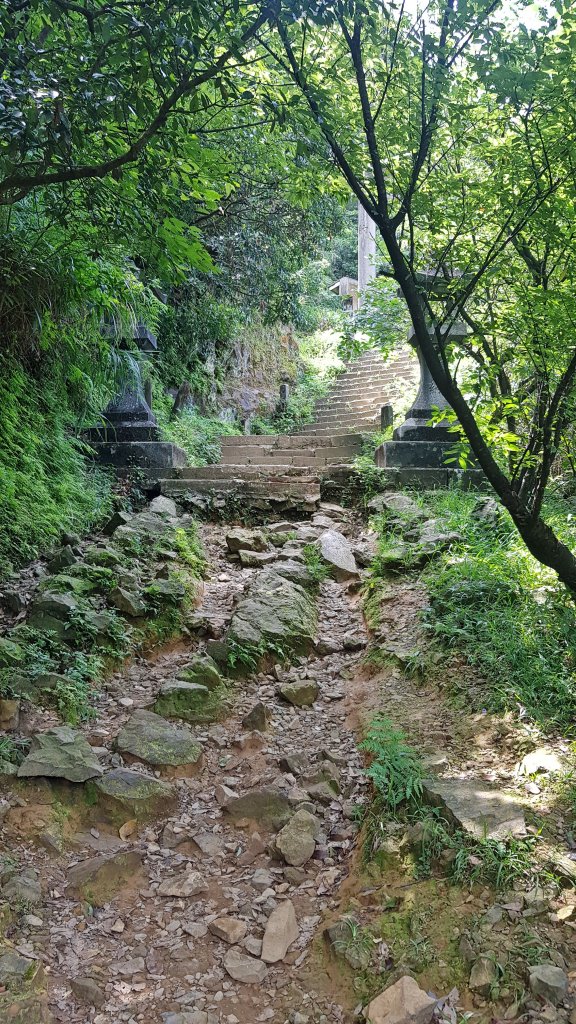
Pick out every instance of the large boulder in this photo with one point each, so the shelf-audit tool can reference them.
(61, 753)
(296, 572)
(402, 1003)
(127, 602)
(477, 807)
(123, 793)
(149, 737)
(143, 526)
(274, 613)
(396, 505)
(98, 879)
(163, 506)
(54, 612)
(266, 805)
(256, 559)
(239, 539)
(337, 553)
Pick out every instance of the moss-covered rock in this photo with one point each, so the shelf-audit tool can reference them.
(240, 539)
(203, 671)
(151, 738)
(55, 611)
(107, 558)
(123, 792)
(11, 654)
(61, 753)
(189, 701)
(275, 614)
(165, 592)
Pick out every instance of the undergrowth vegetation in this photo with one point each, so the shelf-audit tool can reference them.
(46, 486)
(494, 604)
(435, 846)
(60, 663)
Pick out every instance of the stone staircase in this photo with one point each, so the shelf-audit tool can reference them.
(285, 470)
(368, 383)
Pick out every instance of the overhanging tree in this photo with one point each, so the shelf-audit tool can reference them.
(87, 88)
(456, 135)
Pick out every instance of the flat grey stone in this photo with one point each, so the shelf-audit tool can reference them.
(477, 807)
(244, 968)
(550, 982)
(61, 753)
(402, 1003)
(337, 553)
(151, 738)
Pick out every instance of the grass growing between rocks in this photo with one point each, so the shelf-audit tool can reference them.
(245, 658)
(62, 663)
(433, 846)
(317, 567)
(494, 604)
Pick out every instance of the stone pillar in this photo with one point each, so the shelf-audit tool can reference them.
(418, 450)
(366, 251)
(129, 435)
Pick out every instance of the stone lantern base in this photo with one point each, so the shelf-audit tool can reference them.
(417, 454)
(129, 437)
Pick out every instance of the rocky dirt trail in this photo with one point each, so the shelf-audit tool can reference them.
(211, 916)
(196, 880)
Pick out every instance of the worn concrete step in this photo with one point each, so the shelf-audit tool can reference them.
(374, 377)
(286, 440)
(351, 404)
(347, 419)
(323, 431)
(285, 456)
(262, 487)
(220, 471)
(304, 460)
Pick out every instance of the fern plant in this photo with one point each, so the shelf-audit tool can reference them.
(395, 768)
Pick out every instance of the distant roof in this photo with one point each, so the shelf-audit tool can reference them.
(345, 286)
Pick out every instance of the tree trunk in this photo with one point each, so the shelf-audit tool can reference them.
(539, 538)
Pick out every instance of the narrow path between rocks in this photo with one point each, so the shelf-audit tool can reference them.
(202, 892)
(183, 933)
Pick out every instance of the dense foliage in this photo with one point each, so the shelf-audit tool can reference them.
(455, 131)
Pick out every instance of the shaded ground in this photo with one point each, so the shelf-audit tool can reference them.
(151, 955)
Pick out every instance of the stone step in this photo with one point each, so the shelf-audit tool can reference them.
(304, 459)
(372, 380)
(262, 486)
(323, 431)
(351, 404)
(369, 387)
(222, 471)
(285, 441)
(283, 456)
(344, 418)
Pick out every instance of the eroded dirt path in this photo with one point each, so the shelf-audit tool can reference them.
(150, 955)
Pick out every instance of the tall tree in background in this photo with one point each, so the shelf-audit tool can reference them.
(456, 134)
